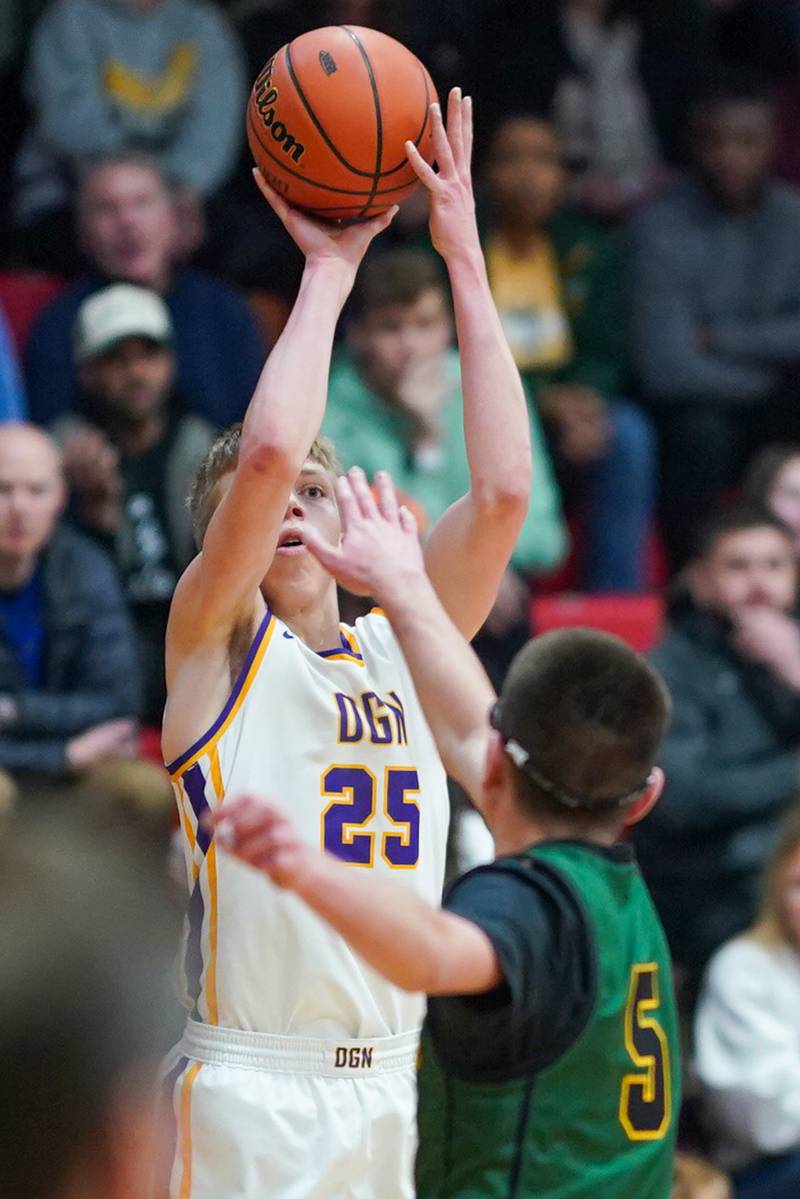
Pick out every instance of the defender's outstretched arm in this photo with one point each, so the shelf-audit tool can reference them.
(380, 555)
(414, 945)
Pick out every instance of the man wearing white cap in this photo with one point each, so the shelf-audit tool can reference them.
(129, 455)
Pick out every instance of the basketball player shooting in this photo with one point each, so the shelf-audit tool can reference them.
(549, 1062)
(295, 1076)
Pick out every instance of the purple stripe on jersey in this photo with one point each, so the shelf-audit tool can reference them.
(171, 1077)
(345, 647)
(223, 716)
(193, 959)
(195, 783)
(169, 1101)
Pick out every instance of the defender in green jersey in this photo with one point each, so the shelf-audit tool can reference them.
(549, 1059)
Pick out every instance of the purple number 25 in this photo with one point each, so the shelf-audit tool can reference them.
(352, 791)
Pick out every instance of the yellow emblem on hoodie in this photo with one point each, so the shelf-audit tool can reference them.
(155, 94)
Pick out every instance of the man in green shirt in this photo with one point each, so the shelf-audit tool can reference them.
(549, 1064)
(394, 400)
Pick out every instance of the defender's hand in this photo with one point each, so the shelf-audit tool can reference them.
(261, 835)
(452, 220)
(379, 549)
(346, 244)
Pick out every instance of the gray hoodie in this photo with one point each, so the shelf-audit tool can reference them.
(103, 76)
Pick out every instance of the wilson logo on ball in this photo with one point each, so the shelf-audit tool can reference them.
(266, 97)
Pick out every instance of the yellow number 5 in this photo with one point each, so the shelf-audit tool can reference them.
(645, 1108)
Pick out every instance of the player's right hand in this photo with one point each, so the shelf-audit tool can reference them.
(322, 241)
(379, 548)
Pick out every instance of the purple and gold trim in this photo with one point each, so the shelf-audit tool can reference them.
(240, 688)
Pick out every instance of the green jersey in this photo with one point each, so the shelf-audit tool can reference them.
(584, 1100)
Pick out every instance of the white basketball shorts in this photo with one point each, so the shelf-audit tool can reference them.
(266, 1117)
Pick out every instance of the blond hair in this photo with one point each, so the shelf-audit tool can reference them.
(221, 459)
(770, 928)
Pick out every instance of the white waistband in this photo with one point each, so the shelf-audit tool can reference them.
(298, 1055)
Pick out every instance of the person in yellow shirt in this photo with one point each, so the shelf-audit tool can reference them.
(557, 280)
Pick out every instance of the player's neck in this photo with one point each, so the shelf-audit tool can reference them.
(314, 623)
(513, 832)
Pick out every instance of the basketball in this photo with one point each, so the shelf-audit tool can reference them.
(329, 116)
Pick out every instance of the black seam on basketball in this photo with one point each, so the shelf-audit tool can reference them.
(316, 121)
(287, 170)
(376, 100)
(421, 133)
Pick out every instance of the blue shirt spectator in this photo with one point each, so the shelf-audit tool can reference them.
(68, 671)
(127, 226)
(12, 395)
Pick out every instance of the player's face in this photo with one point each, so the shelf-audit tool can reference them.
(734, 147)
(396, 337)
(31, 493)
(784, 499)
(751, 567)
(131, 381)
(790, 896)
(525, 173)
(128, 224)
(295, 576)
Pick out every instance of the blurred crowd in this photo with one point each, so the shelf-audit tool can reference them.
(637, 167)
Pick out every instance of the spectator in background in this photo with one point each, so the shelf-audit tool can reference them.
(557, 282)
(88, 933)
(772, 481)
(130, 454)
(614, 77)
(731, 660)
(12, 394)
(747, 1035)
(394, 403)
(67, 650)
(107, 75)
(716, 305)
(127, 224)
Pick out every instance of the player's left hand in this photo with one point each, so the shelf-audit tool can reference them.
(258, 833)
(379, 548)
(452, 203)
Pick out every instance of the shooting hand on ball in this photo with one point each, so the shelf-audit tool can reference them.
(318, 240)
(452, 220)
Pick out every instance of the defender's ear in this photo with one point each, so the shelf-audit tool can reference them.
(648, 799)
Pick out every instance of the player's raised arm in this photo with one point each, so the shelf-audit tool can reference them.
(282, 420)
(470, 546)
(380, 555)
(416, 946)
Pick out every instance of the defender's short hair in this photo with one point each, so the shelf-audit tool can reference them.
(222, 458)
(396, 277)
(585, 715)
(736, 519)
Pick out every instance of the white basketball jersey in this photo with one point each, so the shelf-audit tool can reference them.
(338, 740)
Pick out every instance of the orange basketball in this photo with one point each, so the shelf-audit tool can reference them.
(328, 118)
